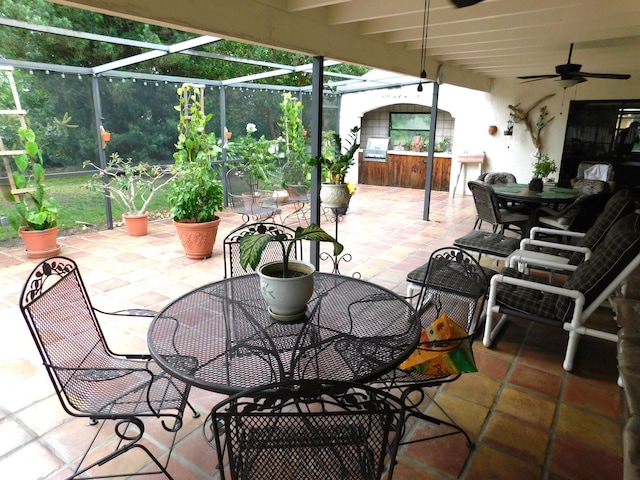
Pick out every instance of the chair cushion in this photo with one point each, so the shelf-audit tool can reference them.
(619, 248)
(617, 207)
(591, 187)
(493, 178)
(487, 243)
(526, 300)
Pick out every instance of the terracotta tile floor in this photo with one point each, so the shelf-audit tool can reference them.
(528, 417)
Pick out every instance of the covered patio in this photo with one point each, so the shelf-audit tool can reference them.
(528, 417)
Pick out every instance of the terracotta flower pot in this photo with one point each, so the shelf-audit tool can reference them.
(40, 243)
(198, 238)
(137, 225)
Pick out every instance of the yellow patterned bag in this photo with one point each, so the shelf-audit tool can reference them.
(444, 349)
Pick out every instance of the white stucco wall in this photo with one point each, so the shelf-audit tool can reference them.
(475, 111)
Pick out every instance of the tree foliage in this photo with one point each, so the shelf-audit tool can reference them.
(139, 114)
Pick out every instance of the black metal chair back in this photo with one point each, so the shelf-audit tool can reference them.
(309, 430)
(273, 252)
(456, 285)
(89, 379)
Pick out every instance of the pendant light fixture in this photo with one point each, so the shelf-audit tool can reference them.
(423, 49)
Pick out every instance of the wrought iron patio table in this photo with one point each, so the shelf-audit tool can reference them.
(220, 337)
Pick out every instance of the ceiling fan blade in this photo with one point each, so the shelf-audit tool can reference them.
(611, 76)
(537, 77)
(464, 3)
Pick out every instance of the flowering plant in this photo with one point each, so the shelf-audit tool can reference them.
(258, 155)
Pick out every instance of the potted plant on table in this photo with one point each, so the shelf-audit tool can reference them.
(335, 164)
(132, 186)
(286, 285)
(541, 170)
(36, 215)
(196, 191)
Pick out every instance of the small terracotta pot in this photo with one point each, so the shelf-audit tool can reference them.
(40, 243)
(137, 225)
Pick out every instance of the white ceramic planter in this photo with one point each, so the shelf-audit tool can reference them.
(287, 297)
(335, 195)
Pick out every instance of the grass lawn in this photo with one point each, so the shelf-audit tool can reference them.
(78, 205)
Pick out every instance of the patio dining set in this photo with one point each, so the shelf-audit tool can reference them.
(319, 395)
(330, 395)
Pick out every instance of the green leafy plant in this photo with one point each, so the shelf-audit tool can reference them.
(544, 167)
(252, 246)
(336, 164)
(132, 186)
(34, 211)
(258, 155)
(196, 191)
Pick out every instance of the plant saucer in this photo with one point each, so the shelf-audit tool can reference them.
(294, 317)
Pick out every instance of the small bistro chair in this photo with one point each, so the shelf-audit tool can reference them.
(454, 284)
(272, 253)
(89, 379)
(307, 429)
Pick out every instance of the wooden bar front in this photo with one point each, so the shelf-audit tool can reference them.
(405, 170)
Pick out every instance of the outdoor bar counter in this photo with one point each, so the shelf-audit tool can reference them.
(405, 169)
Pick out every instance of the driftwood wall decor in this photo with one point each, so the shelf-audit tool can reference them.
(534, 129)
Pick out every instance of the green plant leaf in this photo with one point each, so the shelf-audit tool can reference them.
(251, 248)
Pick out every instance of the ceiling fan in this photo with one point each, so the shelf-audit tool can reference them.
(464, 3)
(569, 74)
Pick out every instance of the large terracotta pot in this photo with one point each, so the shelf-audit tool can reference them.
(198, 238)
(335, 195)
(40, 243)
(287, 297)
(137, 225)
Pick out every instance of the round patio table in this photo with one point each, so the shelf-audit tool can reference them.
(520, 193)
(220, 337)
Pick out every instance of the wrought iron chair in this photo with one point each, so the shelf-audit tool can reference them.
(307, 429)
(569, 305)
(294, 178)
(89, 379)
(273, 252)
(245, 198)
(454, 284)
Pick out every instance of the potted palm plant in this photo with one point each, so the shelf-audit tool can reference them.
(335, 165)
(196, 191)
(132, 186)
(36, 215)
(286, 285)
